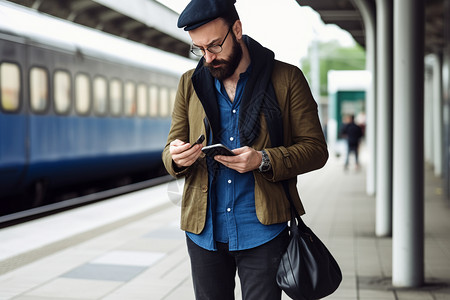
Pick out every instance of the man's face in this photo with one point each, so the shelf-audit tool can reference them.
(221, 65)
(224, 68)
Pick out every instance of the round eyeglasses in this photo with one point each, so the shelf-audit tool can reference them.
(214, 49)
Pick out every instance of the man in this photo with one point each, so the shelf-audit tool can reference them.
(353, 133)
(234, 208)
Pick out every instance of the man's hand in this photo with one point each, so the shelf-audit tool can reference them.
(182, 155)
(246, 159)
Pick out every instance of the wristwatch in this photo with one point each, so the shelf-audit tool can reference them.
(265, 163)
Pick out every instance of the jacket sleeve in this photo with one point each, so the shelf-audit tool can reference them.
(305, 148)
(179, 128)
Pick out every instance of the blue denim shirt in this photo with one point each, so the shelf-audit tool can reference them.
(231, 215)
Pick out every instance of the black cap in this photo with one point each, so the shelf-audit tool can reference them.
(200, 12)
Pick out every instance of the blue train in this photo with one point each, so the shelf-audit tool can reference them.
(76, 104)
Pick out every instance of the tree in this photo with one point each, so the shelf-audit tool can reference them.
(333, 56)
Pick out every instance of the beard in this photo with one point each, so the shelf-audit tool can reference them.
(227, 66)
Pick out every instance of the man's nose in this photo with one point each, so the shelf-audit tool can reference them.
(209, 57)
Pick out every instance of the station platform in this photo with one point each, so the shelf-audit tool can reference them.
(131, 247)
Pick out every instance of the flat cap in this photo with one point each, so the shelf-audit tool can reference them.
(200, 12)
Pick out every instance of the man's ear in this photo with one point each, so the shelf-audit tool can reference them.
(237, 29)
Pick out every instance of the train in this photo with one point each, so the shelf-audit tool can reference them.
(77, 104)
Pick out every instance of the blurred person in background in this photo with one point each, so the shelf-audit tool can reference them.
(353, 134)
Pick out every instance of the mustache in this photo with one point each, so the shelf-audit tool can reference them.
(216, 62)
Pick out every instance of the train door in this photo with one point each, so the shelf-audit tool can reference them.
(13, 115)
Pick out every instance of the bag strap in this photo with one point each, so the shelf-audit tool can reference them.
(294, 212)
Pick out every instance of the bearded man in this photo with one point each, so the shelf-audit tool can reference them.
(234, 208)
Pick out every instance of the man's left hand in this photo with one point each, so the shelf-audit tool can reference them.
(246, 159)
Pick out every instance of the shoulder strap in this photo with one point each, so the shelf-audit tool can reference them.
(294, 212)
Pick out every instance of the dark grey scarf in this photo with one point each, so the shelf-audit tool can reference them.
(259, 97)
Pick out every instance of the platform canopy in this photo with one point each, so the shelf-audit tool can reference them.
(344, 14)
(151, 23)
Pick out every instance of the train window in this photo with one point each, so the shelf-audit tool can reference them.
(164, 102)
(130, 99)
(38, 89)
(142, 100)
(100, 95)
(82, 94)
(62, 91)
(153, 91)
(115, 92)
(173, 95)
(9, 86)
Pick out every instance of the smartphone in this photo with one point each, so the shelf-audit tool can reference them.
(217, 149)
(200, 140)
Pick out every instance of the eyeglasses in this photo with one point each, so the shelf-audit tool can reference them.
(214, 49)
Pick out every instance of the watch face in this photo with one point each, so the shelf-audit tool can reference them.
(265, 164)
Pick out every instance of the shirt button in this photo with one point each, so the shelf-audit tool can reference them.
(234, 111)
(229, 180)
(228, 209)
(231, 138)
(204, 188)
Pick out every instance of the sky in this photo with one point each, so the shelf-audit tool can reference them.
(282, 26)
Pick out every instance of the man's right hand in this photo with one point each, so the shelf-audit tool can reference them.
(182, 156)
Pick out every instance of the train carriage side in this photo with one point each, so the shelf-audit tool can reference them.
(79, 109)
(94, 137)
(13, 113)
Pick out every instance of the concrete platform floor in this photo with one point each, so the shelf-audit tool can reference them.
(145, 257)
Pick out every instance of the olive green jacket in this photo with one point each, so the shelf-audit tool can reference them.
(305, 149)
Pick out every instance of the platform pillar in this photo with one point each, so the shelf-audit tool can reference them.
(408, 155)
(384, 119)
(437, 115)
(368, 14)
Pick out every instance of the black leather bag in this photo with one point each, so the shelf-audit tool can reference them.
(307, 269)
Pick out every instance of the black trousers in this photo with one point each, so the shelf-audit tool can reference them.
(214, 272)
(354, 149)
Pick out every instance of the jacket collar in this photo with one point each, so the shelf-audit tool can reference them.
(258, 96)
